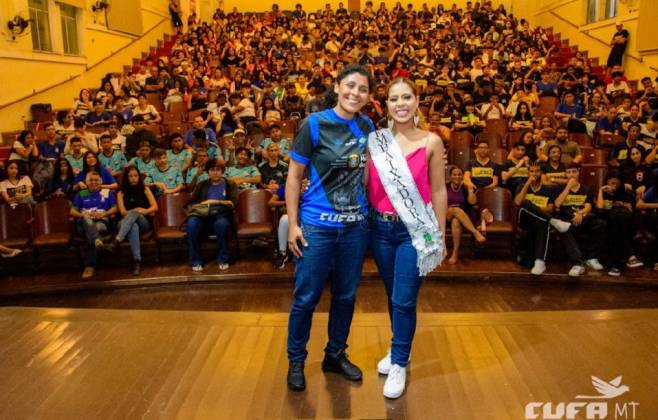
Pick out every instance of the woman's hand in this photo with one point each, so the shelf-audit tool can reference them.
(296, 236)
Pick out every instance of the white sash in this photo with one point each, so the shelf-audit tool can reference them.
(399, 184)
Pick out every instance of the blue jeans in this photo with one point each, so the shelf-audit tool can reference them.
(92, 230)
(130, 227)
(337, 250)
(396, 257)
(200, 227)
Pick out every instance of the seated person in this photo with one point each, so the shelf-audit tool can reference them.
(279, 200)
(24, 150)
(146, 110)
(200, 124)
(553, 171)
(620, 151)
(615, 205)
(118, 139)
(493, 109)
(570, 149)
(481, 172)
(275, 137)
(210, 192)
(199, 140)
(197, 172)
(111, 159)
(574, 204)
(470, 120)
(17, 188)
(649, 203)
(244, 175)
(136, 206)
(76, 157)
(177, 155)
(610, 124)
(91, 164)
(92, 208)
(460, 198)
(569, 108)
(89, 141)
(273, 170)
(239, 139)
(144, 163)
(165, 178)
(140, 134)
(98, 117)
(514, 172)
(61, 183)
(536, 204)
(635, 174)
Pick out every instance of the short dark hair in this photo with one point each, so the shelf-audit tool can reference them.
(243, 149)
(214, 162)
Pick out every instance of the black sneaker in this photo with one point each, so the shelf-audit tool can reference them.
(280, 260)
(342, 365)
(296, 380)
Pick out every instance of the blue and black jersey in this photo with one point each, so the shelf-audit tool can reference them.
(334, 152)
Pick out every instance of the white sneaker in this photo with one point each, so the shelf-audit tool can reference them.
(633, 262)
(577, 270)
(594, 264)
(384, 365)
(197, 268)
(560, 225)
(539, 268)
(396, 381)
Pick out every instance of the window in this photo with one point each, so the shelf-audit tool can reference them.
(68, 16)
(610, 8)
(40, 25)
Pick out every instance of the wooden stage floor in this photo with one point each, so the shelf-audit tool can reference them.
(156, 364)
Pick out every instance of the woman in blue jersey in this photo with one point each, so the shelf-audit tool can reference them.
(328, 223)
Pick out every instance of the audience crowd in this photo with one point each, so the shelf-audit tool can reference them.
(245, 79)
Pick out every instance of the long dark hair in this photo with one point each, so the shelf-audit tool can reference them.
(85, 167)
(23, 135)
(57, 174)
(126, 188)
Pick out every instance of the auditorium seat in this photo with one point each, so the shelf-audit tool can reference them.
(288, 128)
(255, 218)
(583, 139)
(459, 157)
(592, 156)
(609, 140)
(498, 155)
(497, 125)
(15, 225)
(52, 225)
(500, 233)
(461, 140)
(547, 105)
(168, 221)
(180, 108)
(495, 140)
(593, 176)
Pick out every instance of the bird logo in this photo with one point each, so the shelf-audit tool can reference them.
(608, 390)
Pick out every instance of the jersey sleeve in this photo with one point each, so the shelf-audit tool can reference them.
(302, 147)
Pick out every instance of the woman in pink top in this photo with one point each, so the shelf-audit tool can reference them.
(393, 247)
